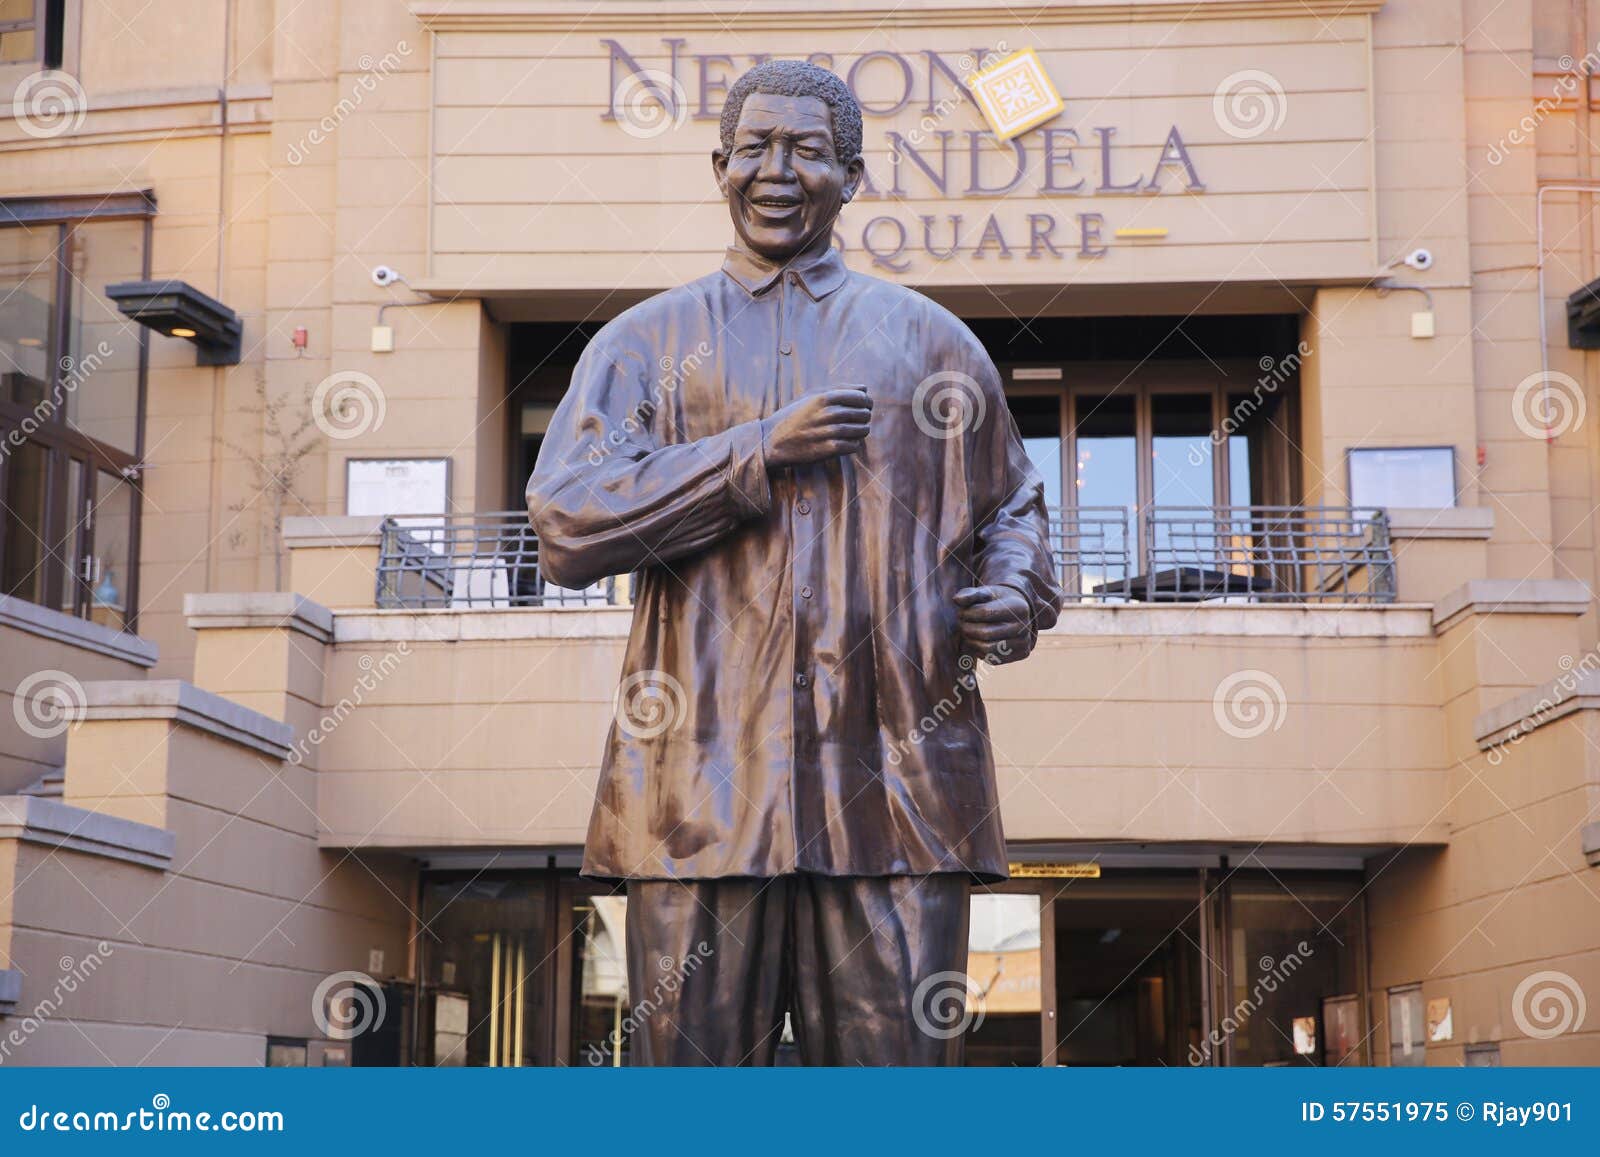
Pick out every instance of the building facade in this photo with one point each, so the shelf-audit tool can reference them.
(1289, 302)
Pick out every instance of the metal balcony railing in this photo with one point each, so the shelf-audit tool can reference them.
(1175, 554)
(1190, 554)
(1317, 554)
(474, 561)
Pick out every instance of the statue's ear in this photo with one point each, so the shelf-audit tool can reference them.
(719, 169)
(853, 174)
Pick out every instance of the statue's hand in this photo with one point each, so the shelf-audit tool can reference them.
(817, 427)
(996, 622)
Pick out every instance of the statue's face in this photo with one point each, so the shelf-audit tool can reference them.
(783, 180)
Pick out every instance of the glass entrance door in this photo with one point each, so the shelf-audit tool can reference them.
(486, 970)
(1128, 973)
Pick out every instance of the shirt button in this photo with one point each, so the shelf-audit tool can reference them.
(802, 680)
(786, 348)
(805, 592)
(803, 506)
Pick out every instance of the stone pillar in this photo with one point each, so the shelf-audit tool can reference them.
(333, 559)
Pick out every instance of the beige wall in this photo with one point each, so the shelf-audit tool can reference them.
(474, 159)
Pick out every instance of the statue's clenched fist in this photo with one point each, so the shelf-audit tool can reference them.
(996, 623)
(817, 427)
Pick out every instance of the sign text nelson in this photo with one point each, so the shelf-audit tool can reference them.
(940, 156)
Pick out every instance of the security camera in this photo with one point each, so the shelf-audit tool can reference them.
(1419, 259)
(384, 276)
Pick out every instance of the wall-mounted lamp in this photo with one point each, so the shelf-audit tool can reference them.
(178, 309)
(1583, 318)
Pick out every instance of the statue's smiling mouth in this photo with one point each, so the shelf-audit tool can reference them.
(775, 204)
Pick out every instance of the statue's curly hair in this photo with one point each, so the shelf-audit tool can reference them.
(798, 78)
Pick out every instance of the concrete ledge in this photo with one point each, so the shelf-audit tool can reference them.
(1134, 620)
(58, 825)
(1569, 692)
(1472, 522)
(445, 625)
(1512, 597)
(10, 989)
(187, 704)
(305, 530)
(1252, 620)
(264, 609)
(76, 632)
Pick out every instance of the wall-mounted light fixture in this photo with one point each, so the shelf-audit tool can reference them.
(178, 309)
(1583, 318)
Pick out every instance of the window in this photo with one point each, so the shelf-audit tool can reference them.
(72, 380)
(31, 31)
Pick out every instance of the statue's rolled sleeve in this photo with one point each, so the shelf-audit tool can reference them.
(609, 496)
(1011, 520)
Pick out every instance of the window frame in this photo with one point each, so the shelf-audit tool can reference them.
(48, 22)
(1145, 383)
(69, 449)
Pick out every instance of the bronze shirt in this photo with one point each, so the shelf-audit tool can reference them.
(795, 695)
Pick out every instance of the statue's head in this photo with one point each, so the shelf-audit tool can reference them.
(790, 157)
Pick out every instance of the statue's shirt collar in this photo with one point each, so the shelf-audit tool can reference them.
(819, 273)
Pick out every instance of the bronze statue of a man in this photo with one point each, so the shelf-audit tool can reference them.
(815, 477)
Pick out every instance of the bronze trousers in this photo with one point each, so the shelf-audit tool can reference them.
(871, 969)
